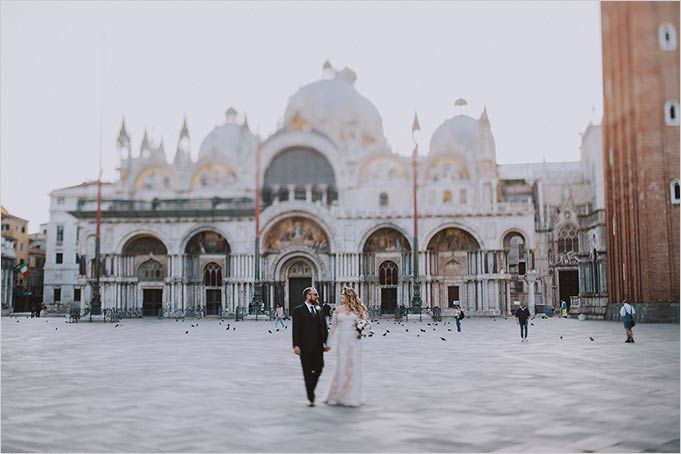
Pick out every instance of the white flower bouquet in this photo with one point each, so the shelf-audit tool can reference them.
(363, 327)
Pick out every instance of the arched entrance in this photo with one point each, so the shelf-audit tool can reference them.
(449, 263)
(297, 274)
(205, 264)
(149, 257)
(387, 280)
(212, 281)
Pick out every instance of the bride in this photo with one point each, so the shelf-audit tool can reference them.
(346, 384)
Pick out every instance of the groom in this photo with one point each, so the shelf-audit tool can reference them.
(309, 339)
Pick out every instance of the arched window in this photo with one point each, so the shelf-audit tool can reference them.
(675, 189)
(151, 270)
(568, 239)
(671, 112)
(387, 273)
(447, 197)
(667, 36)
(143, 245)
(212, 275)
(383, 199)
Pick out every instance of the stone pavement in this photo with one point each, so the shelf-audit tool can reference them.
(146, 386)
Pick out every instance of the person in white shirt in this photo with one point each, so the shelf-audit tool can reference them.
(627, 312)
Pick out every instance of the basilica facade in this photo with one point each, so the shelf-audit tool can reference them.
(336, 209)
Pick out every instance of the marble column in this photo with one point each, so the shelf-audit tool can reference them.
(530, 277)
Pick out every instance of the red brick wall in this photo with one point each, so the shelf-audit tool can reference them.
(641, 153)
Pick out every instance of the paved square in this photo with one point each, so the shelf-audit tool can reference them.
(147, 386)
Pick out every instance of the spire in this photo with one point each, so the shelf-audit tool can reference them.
(484, 118)
(145, 142)
(327, 70)
(184, 132)
(231, 115)
(182, 155)
(123, 137)
(245, 125)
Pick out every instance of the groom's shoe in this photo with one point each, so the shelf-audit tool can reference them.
(311, 404)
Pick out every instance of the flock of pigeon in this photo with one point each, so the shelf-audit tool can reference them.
(371, 333)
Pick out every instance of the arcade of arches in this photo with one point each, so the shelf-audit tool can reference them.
(296, 253)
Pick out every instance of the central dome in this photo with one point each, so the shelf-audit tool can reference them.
(334, 107)
(460, 132)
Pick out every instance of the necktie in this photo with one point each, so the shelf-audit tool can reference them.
(312, 310)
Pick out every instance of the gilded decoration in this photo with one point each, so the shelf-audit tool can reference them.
(453, 239)
(214, 175)
(144, 245)
(207, 243)
(386, 240)
(380, 170)
(447, 170)
(154, 179)
(296, 231)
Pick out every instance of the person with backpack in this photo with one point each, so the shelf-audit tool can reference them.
(458, 316)
(522, 314)
(627, 312)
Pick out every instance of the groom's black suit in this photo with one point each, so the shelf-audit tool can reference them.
(310, 334)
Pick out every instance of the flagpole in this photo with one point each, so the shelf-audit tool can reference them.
(416, 297)
(96, 301)
(257, 287)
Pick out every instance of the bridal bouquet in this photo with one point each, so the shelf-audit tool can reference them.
(362, 326)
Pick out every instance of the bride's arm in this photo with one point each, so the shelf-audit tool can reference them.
(334, 325)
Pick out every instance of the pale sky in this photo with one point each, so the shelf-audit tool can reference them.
(535, 65)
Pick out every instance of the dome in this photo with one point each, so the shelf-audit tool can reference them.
(459, 132)
(225, 140)
(334, 107)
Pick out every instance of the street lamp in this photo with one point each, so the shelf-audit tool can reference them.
(416, 297)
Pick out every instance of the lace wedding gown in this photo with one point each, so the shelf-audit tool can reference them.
(346, 384)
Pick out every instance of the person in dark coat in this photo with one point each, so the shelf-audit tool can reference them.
(309, 339)
(522, 314)
(326, 310)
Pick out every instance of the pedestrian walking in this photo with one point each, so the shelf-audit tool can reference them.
(563, 309)
(627, 312)
(522, 314)
(458, 316)
(279, 316)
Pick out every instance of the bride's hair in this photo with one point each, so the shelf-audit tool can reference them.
(354, 303)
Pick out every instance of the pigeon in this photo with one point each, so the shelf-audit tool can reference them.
(220, 323)
(371, 335)
(269, 331)
(176, 320)
(387, 331)
(423, 330)
(192, 326)
(406, 330)
(234, 329)
(116, 325)
(418, 335)
(531, 323)
(561, 337)
(56, 328)
(227, 329)
(442, 338)
(591, 338)
(17, 321)
(277, 329)
(385, 334)
(428, 324)
(449, 329)
(494, 319)
(186, 332)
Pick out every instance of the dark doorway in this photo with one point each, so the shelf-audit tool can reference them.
(152, 301)
(453, 295)
(569, 285)
(213, 301)
(296, 285)
(388, 300)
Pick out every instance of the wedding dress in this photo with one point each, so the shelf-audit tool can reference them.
(346, 384)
